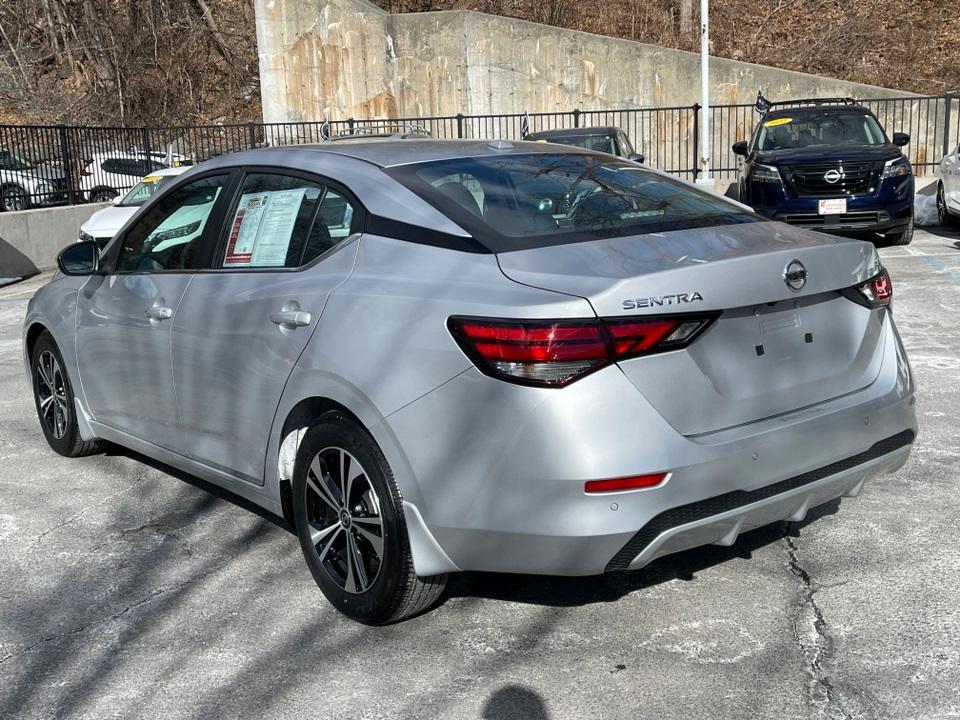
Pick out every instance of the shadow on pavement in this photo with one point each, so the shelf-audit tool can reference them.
(515, 702)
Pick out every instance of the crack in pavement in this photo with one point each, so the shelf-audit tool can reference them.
(76, 516)
(813, 637)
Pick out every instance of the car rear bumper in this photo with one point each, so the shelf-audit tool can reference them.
(497, 471)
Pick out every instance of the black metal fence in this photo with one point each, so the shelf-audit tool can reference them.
(42, 165)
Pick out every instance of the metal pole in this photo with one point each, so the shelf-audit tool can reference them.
(703, 177)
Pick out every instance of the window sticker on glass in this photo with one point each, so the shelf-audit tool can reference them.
(262, 227)
(778, 121)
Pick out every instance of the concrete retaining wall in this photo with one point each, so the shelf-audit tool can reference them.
(42, 233)
(349, 58)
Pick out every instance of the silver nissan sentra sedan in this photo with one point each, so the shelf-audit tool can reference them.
(435, 356)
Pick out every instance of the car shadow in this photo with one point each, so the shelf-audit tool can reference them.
(546, 590)
(952, 234)
(577, 591)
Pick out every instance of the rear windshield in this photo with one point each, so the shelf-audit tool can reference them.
(819, 129)
(515, 202)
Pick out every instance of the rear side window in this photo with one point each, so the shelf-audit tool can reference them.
(514, 201)
(282, 221)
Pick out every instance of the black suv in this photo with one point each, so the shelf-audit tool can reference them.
(608, 139)
(827, 164)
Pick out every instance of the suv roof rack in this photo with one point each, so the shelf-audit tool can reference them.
(817, 101)
(387, 129)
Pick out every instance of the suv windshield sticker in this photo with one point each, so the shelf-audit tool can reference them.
(778, 121)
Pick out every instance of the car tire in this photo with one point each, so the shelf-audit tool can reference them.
(54, 400)
(902, 238)
(103, 195)
(943, 214)
(14, 198)
(358, 551)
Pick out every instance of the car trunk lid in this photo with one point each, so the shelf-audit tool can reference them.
(773, 348)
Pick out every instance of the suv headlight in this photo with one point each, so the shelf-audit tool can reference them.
(897, 167)
(765, 174)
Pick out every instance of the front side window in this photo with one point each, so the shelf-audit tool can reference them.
(824, 129)
(281, 221)
(514, 202)
(170, 235)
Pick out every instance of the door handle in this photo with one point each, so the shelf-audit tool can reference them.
(156, 313)
(291, 316)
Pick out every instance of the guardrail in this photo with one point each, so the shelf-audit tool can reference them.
(58, 164)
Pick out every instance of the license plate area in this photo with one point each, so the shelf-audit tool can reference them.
(833, 206)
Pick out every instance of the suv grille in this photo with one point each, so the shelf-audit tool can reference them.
(856, 178)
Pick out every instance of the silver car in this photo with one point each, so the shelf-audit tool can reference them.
(437, 356)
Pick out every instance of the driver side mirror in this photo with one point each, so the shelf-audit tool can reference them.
(636, 157)
(81, 258)
(740, 148)
(901, 139)
(117, 199)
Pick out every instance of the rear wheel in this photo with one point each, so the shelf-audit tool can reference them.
(103, 195)
(55, 402)
(943, 214)
(349, 517)
(902, 238)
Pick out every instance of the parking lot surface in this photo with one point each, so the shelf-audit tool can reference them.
(128, 589)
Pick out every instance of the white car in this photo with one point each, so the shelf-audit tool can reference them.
(105, 223)
(948, 190)
(108, 174)
(24, 184)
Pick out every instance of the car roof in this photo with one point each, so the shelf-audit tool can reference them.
(390, 153)
(818, 110)
(575, 132)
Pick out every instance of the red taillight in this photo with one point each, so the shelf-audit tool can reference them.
(875, 293)
(557, 352)
(625, 483)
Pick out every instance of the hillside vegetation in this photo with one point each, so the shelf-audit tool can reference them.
(131, 62)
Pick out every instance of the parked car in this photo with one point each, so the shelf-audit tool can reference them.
(104, 224)
(106, 175)
(948, 190)
(827, 164)
(607, 139)
(24, 184)
(400, 348)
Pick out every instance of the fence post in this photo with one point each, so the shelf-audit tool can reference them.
(251, 136)
(696, 140)
(146, 148)
(576, 117)
(350, 123)
(460, 125)
(67, 164)
(948, 108)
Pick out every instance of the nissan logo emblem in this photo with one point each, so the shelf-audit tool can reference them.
(795, 275)
(832, 176)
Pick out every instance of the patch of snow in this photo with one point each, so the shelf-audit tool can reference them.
(925, 210)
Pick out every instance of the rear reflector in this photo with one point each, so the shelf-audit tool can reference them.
(626, 483)
(557, 352)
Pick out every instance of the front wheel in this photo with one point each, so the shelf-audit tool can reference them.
(902, 238)
(13, 198)
(54, 400)
(349, 517)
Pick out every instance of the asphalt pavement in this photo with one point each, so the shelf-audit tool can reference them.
(128, 589)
